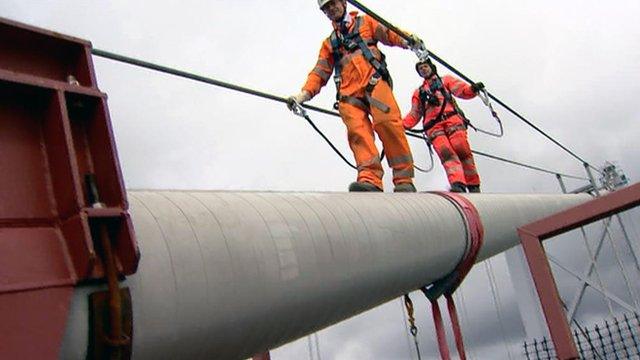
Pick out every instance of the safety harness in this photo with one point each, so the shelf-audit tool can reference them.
(345, 43)
(428, 96)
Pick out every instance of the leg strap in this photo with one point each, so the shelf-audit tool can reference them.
(450, 130)
(355, 101)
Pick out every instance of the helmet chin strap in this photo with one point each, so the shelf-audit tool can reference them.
(344, 10)
(344, 13)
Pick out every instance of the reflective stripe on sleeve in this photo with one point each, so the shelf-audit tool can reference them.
(324, 75)
(381, 33)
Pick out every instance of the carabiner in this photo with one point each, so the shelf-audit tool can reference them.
(484, 96)
(297, 109)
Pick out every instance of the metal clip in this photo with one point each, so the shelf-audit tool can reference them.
(421, 51)
(482, 94)
(373, 81)
(298, 109)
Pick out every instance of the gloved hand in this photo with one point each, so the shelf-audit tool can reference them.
(476, 87)
(415, 42)
(417, 46)
(300, 98)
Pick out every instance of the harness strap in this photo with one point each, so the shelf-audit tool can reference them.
(363, 103)
(379, 65)
(377, 103)
(352, 43)
(357, 102)
(445, 116)
(437, 120)
(447, 285)
(424, 95)
(454, 128)
(435, 134)
(348, 42)
(369, 90)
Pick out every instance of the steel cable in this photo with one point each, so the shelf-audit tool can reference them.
(493, 283)
(264, 95)
(406, 36)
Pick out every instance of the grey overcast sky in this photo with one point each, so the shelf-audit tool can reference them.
(572, 67)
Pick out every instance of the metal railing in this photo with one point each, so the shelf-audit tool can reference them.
(617, 338)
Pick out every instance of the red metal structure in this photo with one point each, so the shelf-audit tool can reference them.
(54, 131)
(532, 236)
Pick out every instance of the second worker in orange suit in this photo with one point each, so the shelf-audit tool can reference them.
(445, 125)
(364, 89)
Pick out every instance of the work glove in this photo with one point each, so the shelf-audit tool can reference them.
(417, 46)
(301, 98)
(415, 41)
(476, 87)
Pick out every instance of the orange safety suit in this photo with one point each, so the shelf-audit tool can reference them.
(445, 126)
(355, 103)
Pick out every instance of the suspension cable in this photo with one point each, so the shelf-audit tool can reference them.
(315, 336)
(191, 76)
(310, 347)
(493, 283)
(494, 157)
(528, 166)
(406, 36)
(199, 78)
(211, 81)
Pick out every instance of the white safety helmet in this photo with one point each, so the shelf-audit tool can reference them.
(322, 3)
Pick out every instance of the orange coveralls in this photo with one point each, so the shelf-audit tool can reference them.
(449, 136)
(356, 72)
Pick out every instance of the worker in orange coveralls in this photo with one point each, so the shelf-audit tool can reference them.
(364, 88)
(445, 125)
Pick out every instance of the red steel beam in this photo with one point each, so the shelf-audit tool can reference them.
(55, 130)
(533, 234)
(549, 297)
(597, 209)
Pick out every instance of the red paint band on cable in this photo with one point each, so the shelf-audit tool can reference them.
(475, 235)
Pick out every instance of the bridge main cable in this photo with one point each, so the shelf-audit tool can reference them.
(288, 264)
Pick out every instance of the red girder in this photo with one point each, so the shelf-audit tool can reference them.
(532, 236)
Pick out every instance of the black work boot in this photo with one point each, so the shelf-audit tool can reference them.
(458, 187)
(404, 187)
(360, 186)
(473, 188)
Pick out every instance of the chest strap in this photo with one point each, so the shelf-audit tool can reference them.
(342, 44)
